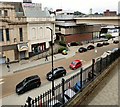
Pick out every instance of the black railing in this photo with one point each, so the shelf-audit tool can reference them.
(85, 77)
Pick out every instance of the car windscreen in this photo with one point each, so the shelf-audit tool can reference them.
(73, 63)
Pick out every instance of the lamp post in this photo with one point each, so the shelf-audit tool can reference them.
(52, 58)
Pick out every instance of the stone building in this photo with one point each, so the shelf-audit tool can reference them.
(24, 30)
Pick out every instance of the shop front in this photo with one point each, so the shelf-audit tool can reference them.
(23, 50)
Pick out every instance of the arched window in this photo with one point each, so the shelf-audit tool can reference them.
(33, 33)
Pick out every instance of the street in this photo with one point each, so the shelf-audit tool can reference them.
(8, 87)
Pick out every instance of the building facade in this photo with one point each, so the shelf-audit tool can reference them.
(13, 33)
(110, 13)
(22, 32)
(68, 31)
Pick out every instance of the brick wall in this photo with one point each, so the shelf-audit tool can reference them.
(78, 37)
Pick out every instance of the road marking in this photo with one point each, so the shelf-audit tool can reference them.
(1, 83)
(1, 79)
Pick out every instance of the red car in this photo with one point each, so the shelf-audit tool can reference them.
(75, 64)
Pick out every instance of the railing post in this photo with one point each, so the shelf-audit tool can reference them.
(81, 70)
(63, 82)
(93, 62)
(29, 101)
(100, 65)
(40, 100)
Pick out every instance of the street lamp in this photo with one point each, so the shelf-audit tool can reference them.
(52, 57)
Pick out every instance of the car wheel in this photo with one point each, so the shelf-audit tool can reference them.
(21, 92)
(64, 74)
(38, 85)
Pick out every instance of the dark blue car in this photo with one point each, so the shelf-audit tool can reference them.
(77, 86)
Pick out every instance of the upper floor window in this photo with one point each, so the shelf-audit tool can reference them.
(0, 12)
(7, 34)
(5, 13)
(21, 34)
(1, 35)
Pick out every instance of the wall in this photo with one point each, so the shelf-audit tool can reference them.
(78, 37)
(38, 33)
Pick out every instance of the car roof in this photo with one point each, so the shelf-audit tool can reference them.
(31, 77)
(76, 60)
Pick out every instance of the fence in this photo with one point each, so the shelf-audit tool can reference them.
(84, 77)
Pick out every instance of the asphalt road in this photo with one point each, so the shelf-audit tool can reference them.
(8, 87)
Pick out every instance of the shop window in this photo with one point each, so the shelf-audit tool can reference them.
(7, 34)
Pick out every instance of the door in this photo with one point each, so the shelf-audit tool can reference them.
(22, 55)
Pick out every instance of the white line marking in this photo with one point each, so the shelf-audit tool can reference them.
(1, 79)
(1, 83)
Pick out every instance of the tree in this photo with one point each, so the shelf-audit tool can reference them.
(108, 36)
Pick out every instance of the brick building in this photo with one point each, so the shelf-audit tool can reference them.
(110, 13)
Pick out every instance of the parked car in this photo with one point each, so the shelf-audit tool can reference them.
(90, 47)
(55, 103)
(28, 84)
(99, 45)
(114, 50)
(57, 73)
(74, 44)
(75, 64)
(68, 94)
(116, 41)
(77, 86)
(64, 52)
(105, 54)
(105, 43)
(82, 49)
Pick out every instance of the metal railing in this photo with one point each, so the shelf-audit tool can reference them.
(85, 77)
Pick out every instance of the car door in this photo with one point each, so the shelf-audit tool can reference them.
(58, 74)
(78, 64)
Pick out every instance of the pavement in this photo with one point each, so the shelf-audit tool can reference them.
(27, 64)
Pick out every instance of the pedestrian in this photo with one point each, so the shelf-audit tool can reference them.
(8, 66)
(54, 56)
(8, 60)
(46, 58)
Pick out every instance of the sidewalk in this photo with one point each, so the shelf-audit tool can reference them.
(16, 67)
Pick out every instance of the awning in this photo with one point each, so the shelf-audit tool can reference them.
(22, 46)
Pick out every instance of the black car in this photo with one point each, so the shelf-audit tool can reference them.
(90, 47)
(99, 45)
(115, 41)
(105, 43)
(74, 44)
(82, 49)
(57, 72)
(28, 84)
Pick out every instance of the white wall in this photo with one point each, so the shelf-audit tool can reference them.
(38, 33)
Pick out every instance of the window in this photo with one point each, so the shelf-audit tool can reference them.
(21, 34)
(5, 13)
(1, 35)
(0, 12)
(7, 34)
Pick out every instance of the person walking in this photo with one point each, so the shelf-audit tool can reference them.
(8, 66)
(46, 57)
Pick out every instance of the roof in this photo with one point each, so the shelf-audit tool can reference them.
(34, 10)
